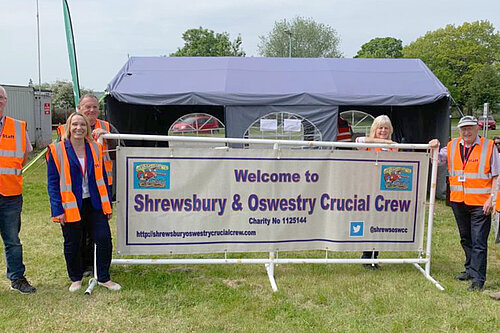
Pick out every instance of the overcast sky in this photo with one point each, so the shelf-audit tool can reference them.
(107, 31)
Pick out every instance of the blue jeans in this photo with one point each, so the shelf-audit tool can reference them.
(10, 225)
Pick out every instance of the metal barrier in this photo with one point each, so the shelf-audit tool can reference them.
(270, 262)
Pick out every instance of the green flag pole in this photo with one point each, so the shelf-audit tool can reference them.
(71, 51)
(42, 153)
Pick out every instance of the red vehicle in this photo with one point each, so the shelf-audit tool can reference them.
(198, 124)
(491, 123)
(344, 130)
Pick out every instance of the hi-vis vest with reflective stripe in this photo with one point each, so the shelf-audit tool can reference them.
(108, 163)
(476, 188)
(61, 129)
(68, 199)
(497, 205)
(12, 150)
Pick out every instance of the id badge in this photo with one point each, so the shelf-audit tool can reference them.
(461, 179)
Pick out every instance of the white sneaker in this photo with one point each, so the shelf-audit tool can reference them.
(110, 285)
(495, 295)
(75, 286)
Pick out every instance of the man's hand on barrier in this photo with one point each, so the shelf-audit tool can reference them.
(434, 144)
(97, 133)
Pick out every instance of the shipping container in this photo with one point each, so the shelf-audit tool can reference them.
(35, 108)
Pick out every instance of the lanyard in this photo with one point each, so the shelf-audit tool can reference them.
(465, 157)
(84, 169)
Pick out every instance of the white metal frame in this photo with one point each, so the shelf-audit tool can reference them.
(273, 260)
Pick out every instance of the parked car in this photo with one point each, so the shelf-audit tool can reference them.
(492, 124)
(198, 124)
(344, 130)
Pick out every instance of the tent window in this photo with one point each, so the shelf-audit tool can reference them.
(197, 124)
(360, 122)
(282, 126)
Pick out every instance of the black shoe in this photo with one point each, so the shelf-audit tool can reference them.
(22, 285)
(372, 266)
(476, 286)
(463, 276)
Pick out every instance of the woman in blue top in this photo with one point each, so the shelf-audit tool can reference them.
(78, 192)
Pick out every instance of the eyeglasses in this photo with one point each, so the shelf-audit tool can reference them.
(3, 97)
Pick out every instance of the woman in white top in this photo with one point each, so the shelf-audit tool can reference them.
(380, 132)
(79, 196)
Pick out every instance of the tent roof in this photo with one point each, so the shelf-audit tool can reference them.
(275, 81)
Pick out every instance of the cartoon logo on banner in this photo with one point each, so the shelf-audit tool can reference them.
(396, 178)
(151, 175)
(356, 229)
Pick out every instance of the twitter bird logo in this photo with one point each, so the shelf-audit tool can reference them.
(356, 229)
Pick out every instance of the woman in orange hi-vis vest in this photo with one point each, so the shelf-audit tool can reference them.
(78, 191)
(89, 106)
(380, 132)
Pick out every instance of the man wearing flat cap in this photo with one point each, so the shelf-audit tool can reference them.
(473, 168)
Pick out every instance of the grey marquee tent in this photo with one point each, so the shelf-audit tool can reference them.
(149, 93)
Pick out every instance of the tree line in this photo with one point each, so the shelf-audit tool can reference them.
(465, 58)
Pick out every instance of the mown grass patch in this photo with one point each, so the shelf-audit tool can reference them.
(238, 298)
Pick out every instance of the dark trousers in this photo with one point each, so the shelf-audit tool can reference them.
(87, 246)
(369, 255)
(474, 228)
(10, 226)
(98, 225)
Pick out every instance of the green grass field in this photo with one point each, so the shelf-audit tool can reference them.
(238, 298)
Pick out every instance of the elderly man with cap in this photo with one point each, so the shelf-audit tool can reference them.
(14, 147)
(473, 168)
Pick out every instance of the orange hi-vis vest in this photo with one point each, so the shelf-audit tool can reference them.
(470, 184)
(12, 151)
(108, 163)
(68, 199)
(497, 204)
(61, 129)
(379, 149)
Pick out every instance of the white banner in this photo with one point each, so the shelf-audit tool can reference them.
(189, 200)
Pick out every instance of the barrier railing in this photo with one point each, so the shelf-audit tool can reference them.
(270, 262)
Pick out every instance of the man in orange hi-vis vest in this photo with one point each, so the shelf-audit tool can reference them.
(14, 147)
(473, 168)
(89, 106)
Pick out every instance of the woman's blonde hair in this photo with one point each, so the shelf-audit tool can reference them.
(380, 121)
(67, 132)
